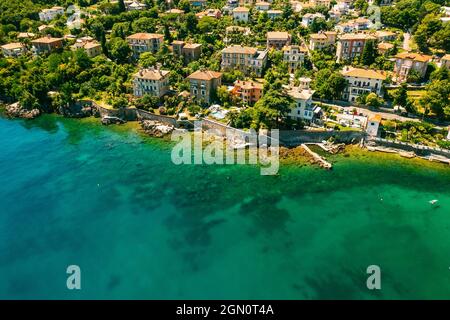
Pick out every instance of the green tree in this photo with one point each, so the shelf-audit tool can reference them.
(147, 102)
(271, 108)
(373, 100)
(401, 96)
(119, 49)
(436, 98)
(328, 84)
(370, 53)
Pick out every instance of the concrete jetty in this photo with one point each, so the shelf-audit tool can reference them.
(320, 160)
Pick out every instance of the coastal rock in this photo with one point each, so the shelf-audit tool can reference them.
(107, 120)
(156, 128)
(77, 110)
(15, 110)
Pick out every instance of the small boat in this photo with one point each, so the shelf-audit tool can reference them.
(433, 201)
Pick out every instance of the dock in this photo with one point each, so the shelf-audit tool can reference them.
(320, 160)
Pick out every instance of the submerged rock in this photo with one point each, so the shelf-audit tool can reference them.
(15, 110)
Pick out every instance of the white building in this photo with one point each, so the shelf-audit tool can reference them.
(262, 6)
(240, 14)
(274, 14)
(294, 56)
(152, 81)
(145, 42)
(318, 41)
(310, 17)
(362, 81)
(50, 14)
(373, 125)
(303, 108)
(245, 59)
(13, 49)
(304, 83)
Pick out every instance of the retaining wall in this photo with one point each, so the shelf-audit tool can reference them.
(294, 138)
(418, 149)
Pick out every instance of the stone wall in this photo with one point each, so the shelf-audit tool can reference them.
(141, 114)
(418, 149)
(129, 114)
(221, 129)
(294, 138)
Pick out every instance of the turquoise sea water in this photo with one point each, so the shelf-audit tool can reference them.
(112, 202)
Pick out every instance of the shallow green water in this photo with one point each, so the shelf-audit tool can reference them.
(74, 192)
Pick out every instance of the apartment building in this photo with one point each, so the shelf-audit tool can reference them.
(213, 13)
(309, 18)
(262, 6)
(321, 40)
(385, 35)
(245, 59)
(203, 84)
(294, 56)
(248, 91)
(46, 44)
(50, 14)
(303, 108)
(189, 51)
(278, 39)
(361, 82)
(145, 42)
(407, 61)
(351, 45)
(274, 14)
(89, 45)
(14, 49)
(240, 14)
(152, 81)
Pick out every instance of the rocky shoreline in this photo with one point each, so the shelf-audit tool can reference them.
(15, 110)
(156, 128)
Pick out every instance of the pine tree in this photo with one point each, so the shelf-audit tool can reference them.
(369, 53)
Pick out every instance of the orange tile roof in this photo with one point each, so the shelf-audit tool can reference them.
(248, 84)
(192, 45)
(241, 9)
(151, 74)
(385, 45)
(145, 36)
(290, 47)
(376, 118)
(278, 35)
(356, 36)
(205, 75)
(413, 56)
(13, 45)
(46, 40)
(364, 73)
(239, 49)
(318, 36)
